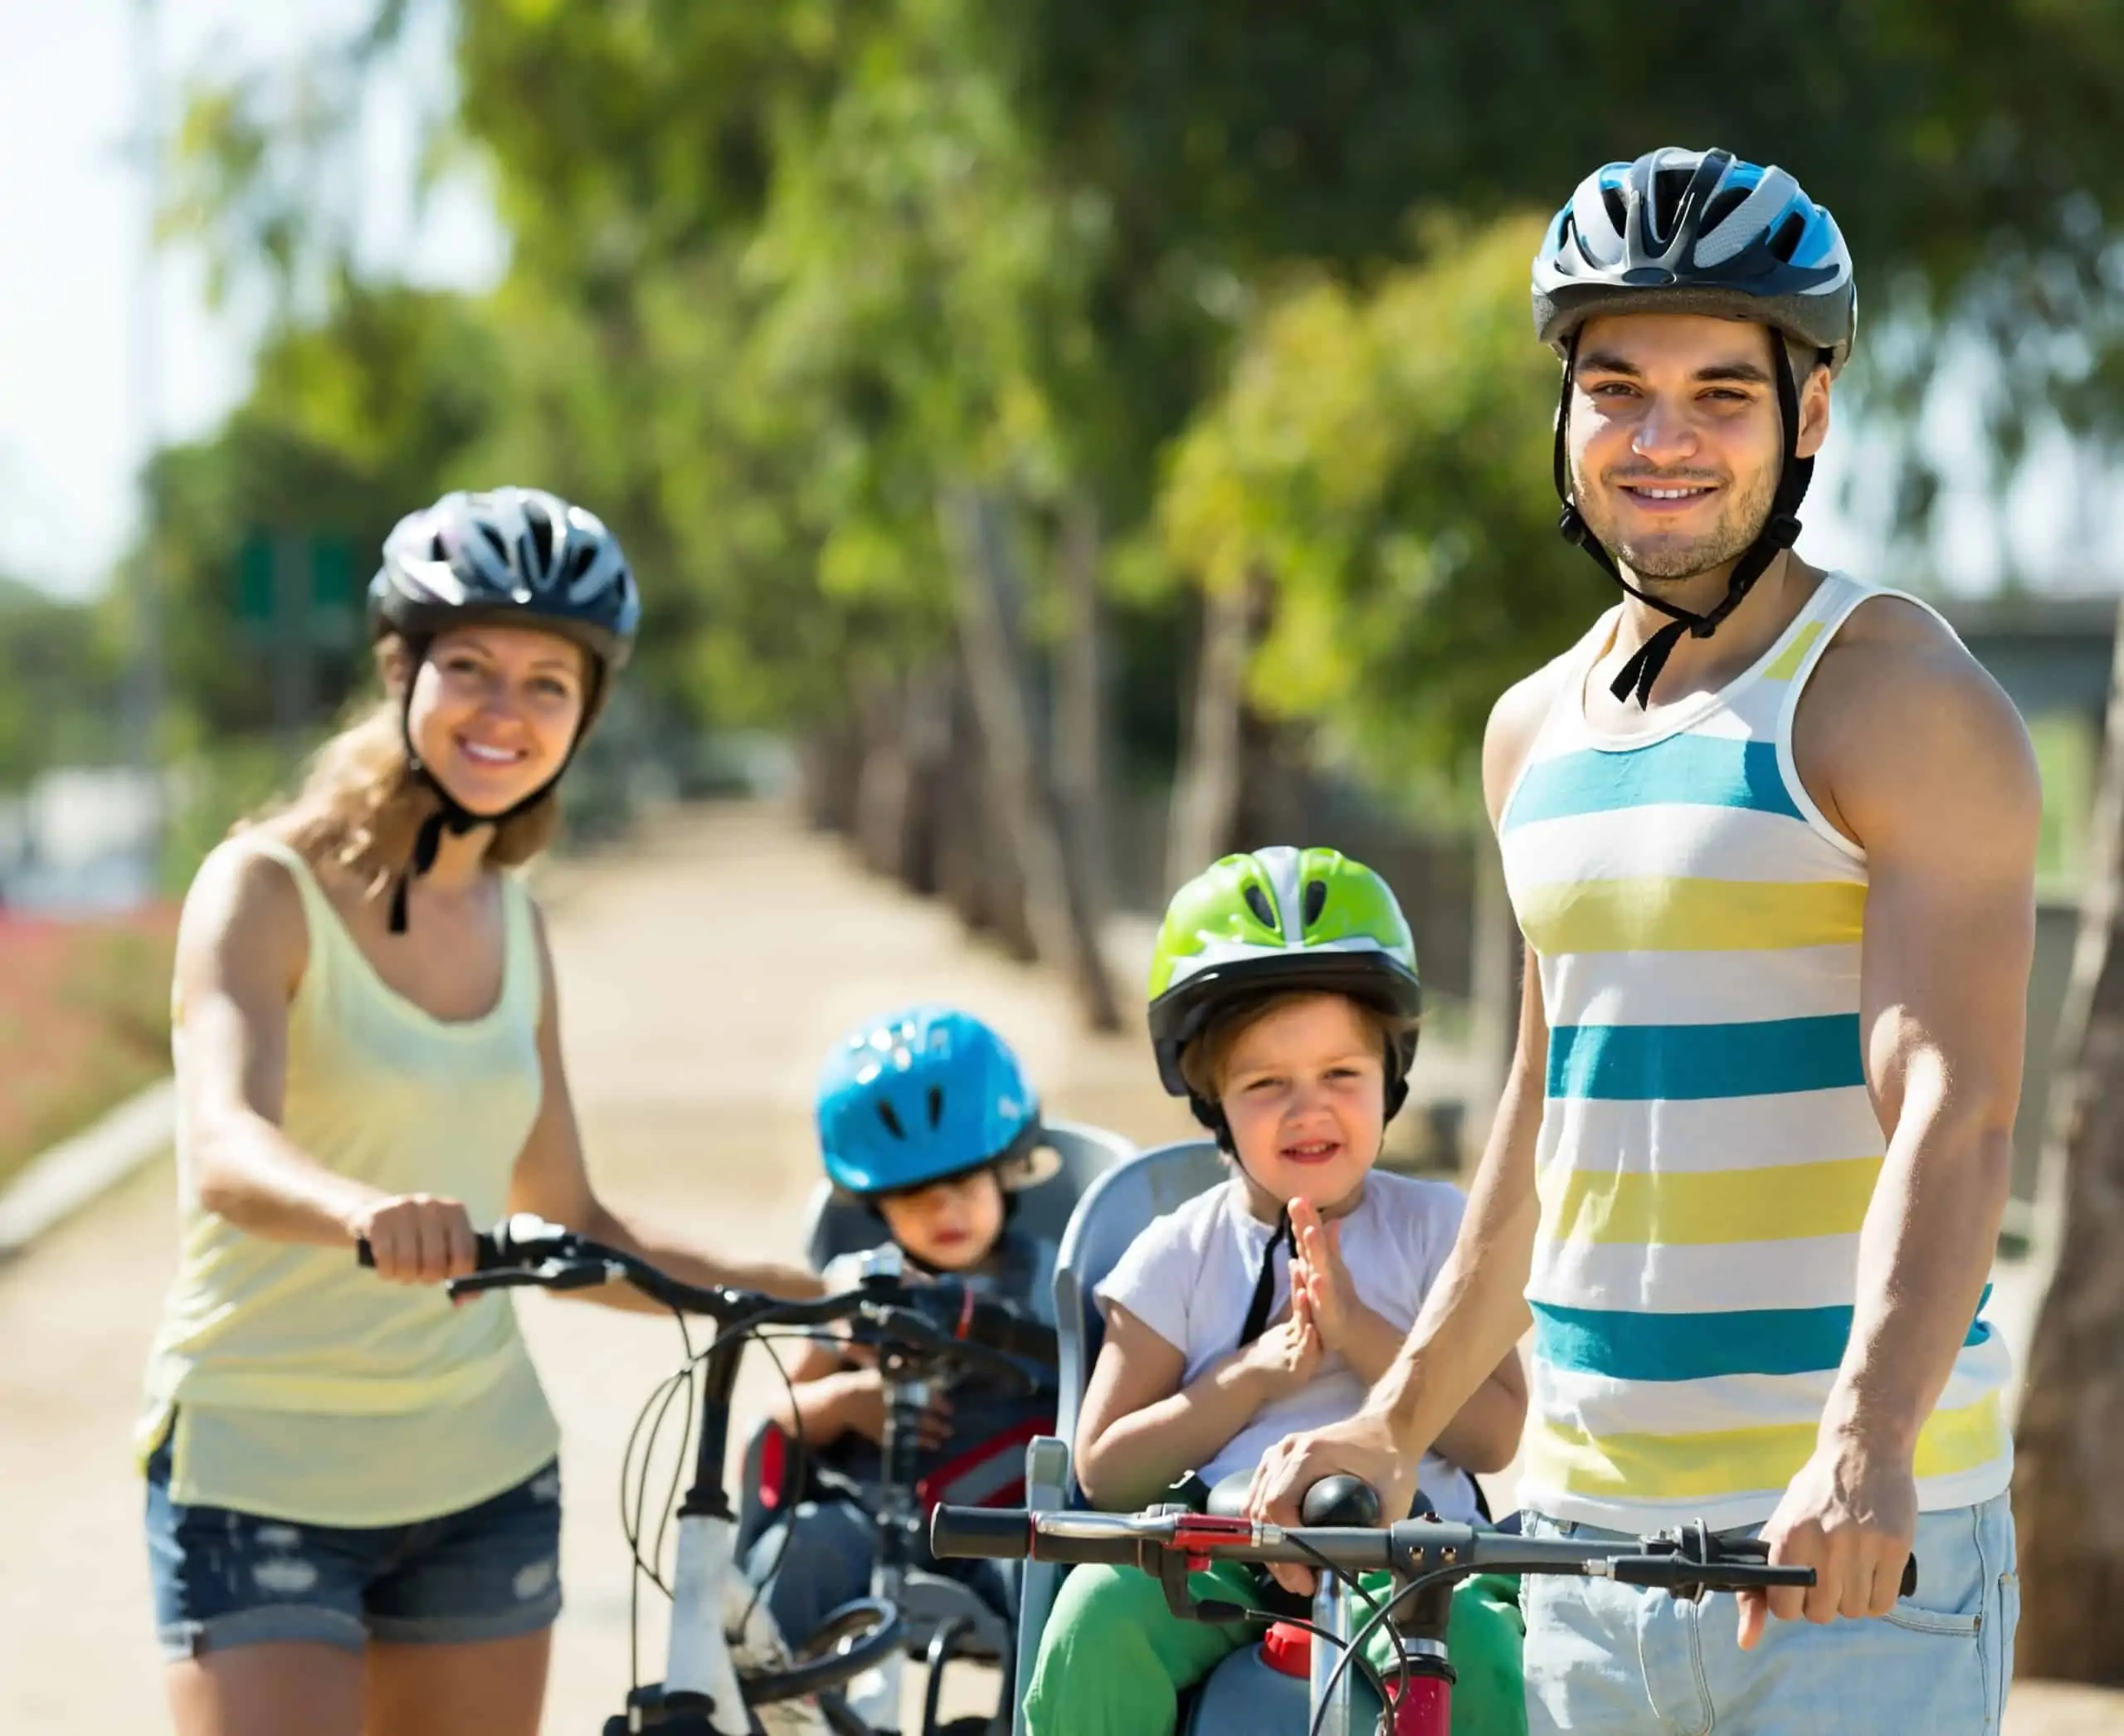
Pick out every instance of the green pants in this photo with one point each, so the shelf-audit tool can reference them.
(1114, 1659)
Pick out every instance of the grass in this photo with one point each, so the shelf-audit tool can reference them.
(84, 1022)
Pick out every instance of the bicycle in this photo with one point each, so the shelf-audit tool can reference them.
(724, 1663)
(1341, 1533)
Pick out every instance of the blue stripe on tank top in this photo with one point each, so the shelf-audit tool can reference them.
(1685, 771)
(1623, 1345)
(1674, 1063)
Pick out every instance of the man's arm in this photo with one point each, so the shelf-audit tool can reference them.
(1477, 1311)
(1923, 761)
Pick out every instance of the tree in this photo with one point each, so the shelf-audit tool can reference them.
(1377, 463)
(59, 684)
(2067, 1462)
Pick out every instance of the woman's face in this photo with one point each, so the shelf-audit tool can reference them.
(494, 710)
(1304, 1093)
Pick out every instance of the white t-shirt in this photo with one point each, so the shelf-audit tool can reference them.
(1190, 1275)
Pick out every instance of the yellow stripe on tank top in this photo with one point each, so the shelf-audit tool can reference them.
(1789, 660)
(1683, 1206)
(1729, 1461)
(1655, 913)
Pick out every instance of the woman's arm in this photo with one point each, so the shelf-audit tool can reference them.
(241, 948)
(1140, 1429)
(551, 1180)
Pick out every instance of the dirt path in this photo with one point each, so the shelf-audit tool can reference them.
(704, 973)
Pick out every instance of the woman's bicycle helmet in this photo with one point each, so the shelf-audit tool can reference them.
(511, 557)
(1280, 919)
(921, 1096)
(1681, 232)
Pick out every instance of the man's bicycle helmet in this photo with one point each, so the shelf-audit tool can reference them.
(512, 557)
(1681, 232)
(920, 1095)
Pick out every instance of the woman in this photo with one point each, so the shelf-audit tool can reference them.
(353, 1493)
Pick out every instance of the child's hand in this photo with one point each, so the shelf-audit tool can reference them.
(1318, 1273)
(858, 1407)
(1287, 1355)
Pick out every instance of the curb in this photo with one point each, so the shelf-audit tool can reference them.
(62, 1181)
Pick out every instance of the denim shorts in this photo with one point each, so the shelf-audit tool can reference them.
(222, 1578)
(1608, 1659)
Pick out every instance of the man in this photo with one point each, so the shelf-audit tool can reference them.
(1770, 837)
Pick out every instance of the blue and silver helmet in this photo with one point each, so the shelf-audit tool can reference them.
(1696, 231)
(921, 1094)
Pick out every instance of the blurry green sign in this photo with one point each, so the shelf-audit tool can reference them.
(299, 586)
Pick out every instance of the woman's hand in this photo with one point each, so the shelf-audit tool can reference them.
(1288, 1355)
(416, 1238)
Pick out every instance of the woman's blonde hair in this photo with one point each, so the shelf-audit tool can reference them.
(361, 802)
(1204, 1062)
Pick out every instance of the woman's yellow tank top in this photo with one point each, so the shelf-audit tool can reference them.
(303, 1387)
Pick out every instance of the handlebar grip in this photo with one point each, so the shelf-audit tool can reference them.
(489, 1252)
(985, 1534)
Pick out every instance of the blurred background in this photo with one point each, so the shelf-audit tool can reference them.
(1059, 442)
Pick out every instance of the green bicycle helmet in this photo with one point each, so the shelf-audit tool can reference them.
(1271, 921)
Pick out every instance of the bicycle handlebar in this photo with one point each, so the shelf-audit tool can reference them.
(1681, 1562)
(943, 1318)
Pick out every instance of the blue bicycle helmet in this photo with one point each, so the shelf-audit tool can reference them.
(919, 1095)
(1681, 232)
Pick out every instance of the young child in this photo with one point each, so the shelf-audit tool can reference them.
(926, 1116)
(1284, 1006)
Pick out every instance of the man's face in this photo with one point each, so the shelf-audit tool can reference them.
(1675, 439)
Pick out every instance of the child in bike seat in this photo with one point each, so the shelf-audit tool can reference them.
(1284, 1006)
(926, 1117)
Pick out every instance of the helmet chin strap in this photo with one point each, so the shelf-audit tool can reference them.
(1779, 531)
(451, 815)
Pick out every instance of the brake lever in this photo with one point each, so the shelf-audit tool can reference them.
(1670, 1553)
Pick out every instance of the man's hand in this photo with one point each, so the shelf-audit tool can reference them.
(1851, 1515)
(1363, 1445)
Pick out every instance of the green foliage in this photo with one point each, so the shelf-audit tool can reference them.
(1377, 460)
(1248, 280)
(351, 422)
(58, 685)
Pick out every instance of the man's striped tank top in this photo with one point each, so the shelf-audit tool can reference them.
(1708, 1148)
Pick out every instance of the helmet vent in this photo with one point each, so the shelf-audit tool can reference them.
(494, 542)
(1617, 211)
(542, 537)
(1785, 239)
(1316, 901)
(890, 1116)
(1723, 204)
(1257, 901)
(936, 1104)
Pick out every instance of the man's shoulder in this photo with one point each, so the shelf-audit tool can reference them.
(1517, 718)
(1896, 697)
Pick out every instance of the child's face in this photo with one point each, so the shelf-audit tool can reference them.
(950, 1225)
(1304, 1092)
